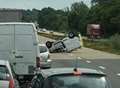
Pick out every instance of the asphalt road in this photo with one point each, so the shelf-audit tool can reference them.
(110, 67)
(106, 62)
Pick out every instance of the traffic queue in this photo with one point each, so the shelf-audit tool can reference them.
(24, 63)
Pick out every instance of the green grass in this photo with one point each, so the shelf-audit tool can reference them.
(98, 45)
(52, 36)
(101, 45)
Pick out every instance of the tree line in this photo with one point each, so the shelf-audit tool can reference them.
(103, 12)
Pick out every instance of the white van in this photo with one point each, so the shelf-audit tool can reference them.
(19, 45)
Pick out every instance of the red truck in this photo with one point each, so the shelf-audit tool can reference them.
(94, 31)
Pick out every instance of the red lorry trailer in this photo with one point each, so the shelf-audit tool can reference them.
(94, 31)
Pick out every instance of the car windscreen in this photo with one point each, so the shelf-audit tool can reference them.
(76, 82)
(3, 72)
(42, 49)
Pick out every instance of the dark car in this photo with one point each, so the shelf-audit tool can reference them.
(70, 78)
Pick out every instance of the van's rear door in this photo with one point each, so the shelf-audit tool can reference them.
(6, 41)
(25, 48)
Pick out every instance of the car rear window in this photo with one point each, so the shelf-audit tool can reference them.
(42, 49)
(3, 72)
(76, 82)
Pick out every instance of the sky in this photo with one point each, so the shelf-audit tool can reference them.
(39, 4)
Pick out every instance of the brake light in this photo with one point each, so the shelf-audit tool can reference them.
(37, 61)
(11, 83)
(76, 72)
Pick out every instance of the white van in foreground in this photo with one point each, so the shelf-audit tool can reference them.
(19, 45)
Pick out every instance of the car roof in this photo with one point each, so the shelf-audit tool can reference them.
(3, 62)
(60, 71)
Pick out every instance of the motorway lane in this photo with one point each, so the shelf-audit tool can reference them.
(110, 67)
(108, 63)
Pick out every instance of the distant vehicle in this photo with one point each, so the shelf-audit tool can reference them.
(19, 45)
(7, 76)
(45, 60)
(70, 78)
(94, 31)
(65, 45)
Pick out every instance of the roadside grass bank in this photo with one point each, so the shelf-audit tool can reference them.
(51, 35)
(111, 45)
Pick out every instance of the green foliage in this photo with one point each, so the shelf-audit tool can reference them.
(103, 12)
(77, 17)
(115, 41)
(52, 19)
(30, 15)
(106, 13)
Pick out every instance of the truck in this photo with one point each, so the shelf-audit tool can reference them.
(19, 45)
(94, 31)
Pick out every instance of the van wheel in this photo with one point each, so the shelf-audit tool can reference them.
(71, 35)
(49, 44)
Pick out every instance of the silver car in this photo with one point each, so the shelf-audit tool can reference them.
(45, 61)
(70, 78)
(7, 76)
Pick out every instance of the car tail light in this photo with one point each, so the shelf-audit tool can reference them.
(37, 61)
(11, 83)
(76, 72)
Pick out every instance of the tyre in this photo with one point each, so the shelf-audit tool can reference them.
(49, 44)
(71, 35)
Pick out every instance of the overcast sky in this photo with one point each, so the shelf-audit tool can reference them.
(39, 4)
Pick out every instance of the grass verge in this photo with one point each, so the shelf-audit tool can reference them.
(52, 36)
(98, 45)
(101, 45)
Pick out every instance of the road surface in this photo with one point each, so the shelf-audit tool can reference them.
(106, 62)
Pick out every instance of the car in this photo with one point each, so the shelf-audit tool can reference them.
(70, 78)
(7, 76)
(45, 61)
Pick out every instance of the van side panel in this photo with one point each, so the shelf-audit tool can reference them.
(19, 45)
(6, 41)
(25, 49)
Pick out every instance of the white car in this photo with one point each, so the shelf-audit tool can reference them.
(7, 76)
(45, 61)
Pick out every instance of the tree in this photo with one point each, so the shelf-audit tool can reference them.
(106, 13)
(52, 19)
(77, 17)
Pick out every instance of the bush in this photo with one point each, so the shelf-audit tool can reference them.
(115, 41)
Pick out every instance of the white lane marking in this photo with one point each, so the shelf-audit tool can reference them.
(71, 54)
(88, 61)
(79, 58)
(102, 67)
(118, 74)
